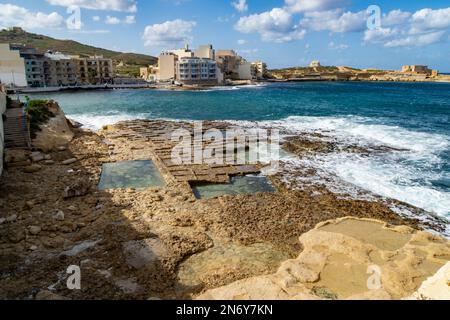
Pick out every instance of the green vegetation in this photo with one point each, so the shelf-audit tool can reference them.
(38, 112)
(44, 43)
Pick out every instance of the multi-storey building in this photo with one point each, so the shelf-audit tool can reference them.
(12, 67)
(196, 70)
(259, 70)
(206, 51)
(166, 65)
(94, 70)
(59, 70)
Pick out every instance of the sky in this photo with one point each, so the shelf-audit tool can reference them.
(365, 34)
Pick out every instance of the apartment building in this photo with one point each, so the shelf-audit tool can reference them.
(94, 70)
(12, 67)
(192, 71)
(206, 51)
(259, 70)
(59, 70)
(166, 65)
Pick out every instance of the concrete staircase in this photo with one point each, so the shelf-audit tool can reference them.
(17, 134)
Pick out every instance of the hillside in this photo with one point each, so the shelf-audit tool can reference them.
(44, 43)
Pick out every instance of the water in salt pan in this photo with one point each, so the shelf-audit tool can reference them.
(130, 174)
(238, 185)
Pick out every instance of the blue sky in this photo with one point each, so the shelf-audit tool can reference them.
(281, 32)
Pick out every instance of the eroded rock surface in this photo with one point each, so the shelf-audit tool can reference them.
(351, 259)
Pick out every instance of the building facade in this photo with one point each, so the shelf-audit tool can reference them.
(12, 67)
(259, 70)
(166, 65)
(206, 52)
(2, 134)
(94, 70)
(192, 71)
(416, 69)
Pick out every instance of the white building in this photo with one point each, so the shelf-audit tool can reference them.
(196, 70)
(315, 64)
(12, 67)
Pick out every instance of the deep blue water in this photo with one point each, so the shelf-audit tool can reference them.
(413, 116)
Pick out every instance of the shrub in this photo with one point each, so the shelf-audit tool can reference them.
(38, 112)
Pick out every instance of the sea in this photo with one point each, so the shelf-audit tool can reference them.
(411, 118)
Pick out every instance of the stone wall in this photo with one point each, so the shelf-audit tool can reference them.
(2, 135)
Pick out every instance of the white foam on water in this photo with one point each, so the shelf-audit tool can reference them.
(404, 173)
(96, 122)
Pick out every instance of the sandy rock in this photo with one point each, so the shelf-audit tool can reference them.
(69, 161)
(59, 215)
(55, 132)
(48, 295)
(33, 248)
(49, 162)
(77, 189)
(32, 168)
(16, 155)
(353, 258)
(37, 156)
(436, 287)
(145, 253)
(11, 218)
(34, 230)
(61, 148)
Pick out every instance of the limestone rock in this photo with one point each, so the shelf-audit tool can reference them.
(34, 230)
(32, 168)
(48, 295)
(353, 258)
(77, 189)
(16, 155)
(37, 156)
(69, 161)
(436, 287)
(55, 132)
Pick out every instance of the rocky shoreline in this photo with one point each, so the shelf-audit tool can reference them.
(156, 243)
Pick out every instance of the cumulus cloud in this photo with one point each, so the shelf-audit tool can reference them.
(314, 5)
(416, 40)
(110, 5)
(276, 25)
(404, 29)
(240, 5)
(15, 16)
(168, 34)
(335, 46)
(335, 21)
(114, 20)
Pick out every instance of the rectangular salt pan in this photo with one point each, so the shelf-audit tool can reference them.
(139, 174)
(238, 185)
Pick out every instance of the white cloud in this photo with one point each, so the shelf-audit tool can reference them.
(112, 20)
(416, 40)
(335, 46)
(395, 17)
(242, 42)
(168, 34)
(335, 21)
(109, 5)
(428, 19)
(314, 5)
(240, 5)
(404, 29)
(276, 26)
(96, 18)
(130, 20)
(15, 16)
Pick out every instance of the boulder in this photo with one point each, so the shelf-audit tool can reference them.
(77, 189)
(55, 132)
(32, 168)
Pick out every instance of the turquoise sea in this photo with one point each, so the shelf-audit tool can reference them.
(413, 117)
